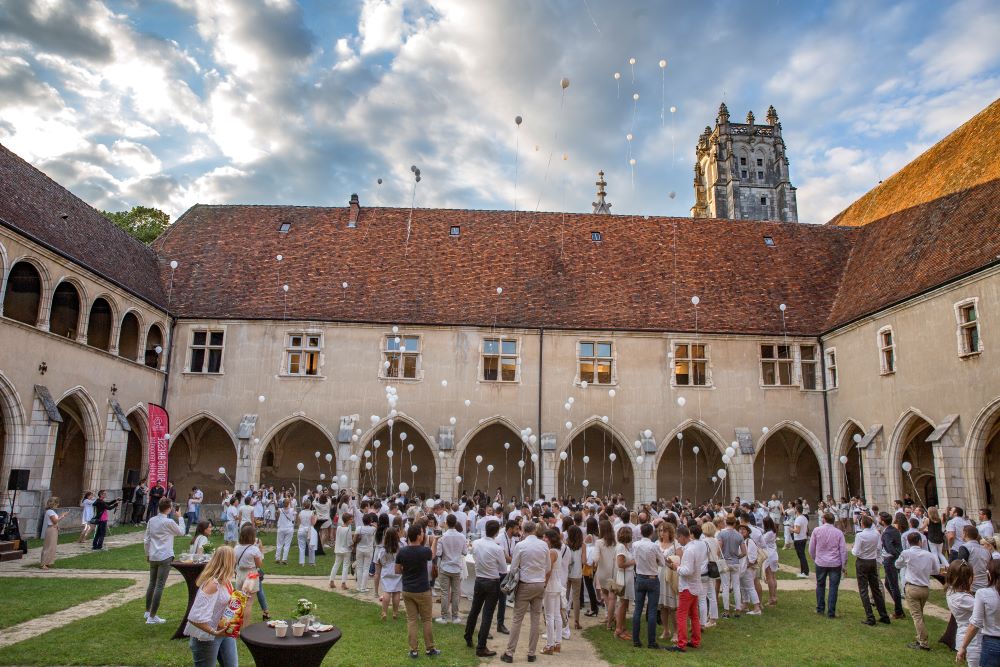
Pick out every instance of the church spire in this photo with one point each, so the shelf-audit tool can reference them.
(601, 206)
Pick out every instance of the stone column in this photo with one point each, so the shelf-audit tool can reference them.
(952, 486)
(37, 456)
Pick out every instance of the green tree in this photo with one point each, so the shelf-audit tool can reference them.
(142, 222)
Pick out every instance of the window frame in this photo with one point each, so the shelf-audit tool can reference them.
(832, 374)
(884, 367)
(207, 347)
(385, 351)
(962, 326)
(302, 349)
(595, 359)
(777, 361)
(500, 355)
(674, 359)
(814, 362)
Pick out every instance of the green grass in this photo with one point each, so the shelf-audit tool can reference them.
(366, 642)
(30, 597)
(131, 557)
(67, 537)
(792, 634)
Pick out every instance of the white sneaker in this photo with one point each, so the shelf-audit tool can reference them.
(155, 620)
(145, 615)
(753, 613)
(565, 633)
(457, 621)
(441, 619)
(800, 575)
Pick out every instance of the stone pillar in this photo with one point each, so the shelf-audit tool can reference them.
(106, 469)
(447, 469)
(952, 487)
(37, 456)
(874, 468)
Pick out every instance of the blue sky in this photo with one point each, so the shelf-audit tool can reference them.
(169, 103)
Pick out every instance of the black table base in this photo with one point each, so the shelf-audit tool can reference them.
(269, 650)
(190, 571)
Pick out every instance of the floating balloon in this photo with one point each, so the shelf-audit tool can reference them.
(499, 290)
(444, 383)
(632, 161)
(517, 120)
(458, 479)
(567, 406)
(857, 437)
(368, 465)
(520, 464)
(764, 430)
(506, 445)
(284, 287)
(479, 459)
(680, 436)
(317, 454)
(672, 195)
(907, 466)
(726, 459)
(300, 466)
(604, 419)
(173, 264)
(374, 419)
(681, 401)
(721, 473)
(586, 483)
(730, 452)
(353, 458)
(618, 75)
(638, 444)
(452, 421)
(279, 258)
(663, 64)
(222, 471)
(569, 425)
(639, 459)
(468, 402)
(389, 453)
(490, 468)
(571, 400)
(329, 457)
(261, 398)
(843, 459)
(402, 436)
(586, 459)
(593, 494)
(612, 456)
(631, 61)
(377, 444)
(409, 448)
(403, 487)
(564, 82)
(319, 487)
(390, 421)
(695, 449)
(368, 453)
(714, 479)
(534, 458)
(528, 481)
(612, 393)
(413, 468)
(635, 97)
(647, 433)
(782, 307)
(673, 109)
(695, 300)
(628, 137)
(379, 181)
(563, 456)
(532, 439)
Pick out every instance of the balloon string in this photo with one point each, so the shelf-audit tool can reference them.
(555, 141)
(591, 15)
(663, 97)
(517, 150)
(409, 220)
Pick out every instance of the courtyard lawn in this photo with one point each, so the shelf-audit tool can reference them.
(792, 634)
(30, 597)
(67, 537)
(130, 557)
(126, 640)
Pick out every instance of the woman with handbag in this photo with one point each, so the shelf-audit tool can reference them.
(624, 581)
(554, 592)
(210, 643)
(708, 605)
(668, 581)
(250, 558)
(748, 570)
(606, 570)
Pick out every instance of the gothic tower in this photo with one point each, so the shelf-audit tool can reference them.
(742, 171)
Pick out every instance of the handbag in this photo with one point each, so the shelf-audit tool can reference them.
(617, 584)
(713, 570)
(508, 585)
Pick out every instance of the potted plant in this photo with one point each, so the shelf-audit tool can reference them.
(305, 611)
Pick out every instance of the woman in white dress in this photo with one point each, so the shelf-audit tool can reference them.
(606, 569)
(625, 562)
(961, 603)
(365, 536)
(770, 540)
(286, 527)
(555, 589)
(201, 535)
(385, 573)
(668, 582)
(708, 604)
(307, 534)
(787, 522)
(86, 514)
(232, 527)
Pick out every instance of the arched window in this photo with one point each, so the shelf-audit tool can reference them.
(64, 316)
(99, 325)
(154, 346)
(24, 294)
(128, 337)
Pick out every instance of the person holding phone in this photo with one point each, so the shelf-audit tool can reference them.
(101, 510)
(159, 545)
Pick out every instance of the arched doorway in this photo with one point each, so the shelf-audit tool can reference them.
(683, 473)
(294, 443)
(128, 337)
(72, 453)
(608, 469)
(24, 293)
(196, 454)
(99, 324)
(852, 472)
(134, 447)
(385, 476)
(489, 443)
(921, 482)
(64, 316)
(787, 466)
(991, 470)
(154, 346)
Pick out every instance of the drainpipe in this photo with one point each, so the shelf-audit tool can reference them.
(170, 354)
(826, 415)
(541, 358)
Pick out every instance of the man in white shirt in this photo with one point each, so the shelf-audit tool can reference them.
(693, 561)
(920, 564)
(985, 524)
(507, 538)
(800, 533)
(953, 531)
(462, 518)
(451, 547)
(531, 562)
(490, 567)
(648, 561)
(866, 549)
(159, 544)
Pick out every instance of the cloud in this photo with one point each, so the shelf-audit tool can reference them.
(381, 26)
(69, 29)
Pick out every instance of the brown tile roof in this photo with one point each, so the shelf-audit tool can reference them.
(33, 204)
(551, 273)
(966, 158)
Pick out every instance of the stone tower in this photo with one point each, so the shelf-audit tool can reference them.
(742, 171)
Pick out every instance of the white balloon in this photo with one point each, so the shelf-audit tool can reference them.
(452, 421)
(284, 288)
(409, 448)
(695, 449)
(353, 459)
(680, 436)
(631, 61)
(563, 456)
(782, 307)
(430, 503)
(907, 466)
(520, 464)
(569, 425)
(490, 468)
(730, 452)
(357, 431)
(222, 471)
(584, 384)
(354, 438)
(468, 402)
(528, 481)
(368, 453)
(329, 457)
(479, 459)
(374, 419)
(638, 444)
(402, 436)
(764, 430)
(444, 383)
(343, 479)
(593, 494)
(499, 290)
(726, 459)
(300, 466)
(857, 437)
(403, 487)
(317, 454)
(532, 439)
(368, 465)
(586, 483)
(673, 110)
(635, 97)
(395, 329)
(413, 468)
(663, 64)
(458, 479)
(564, 82)
(604, 419)
(714, 479)
(385, 364)
(843, 459)
(377, 443)
(389, 453)
(632, 161)
(173, 264)
(639, 459)
(571, 400)
(695, 300)
(344, 284)
(647, 433)
(261, 398)
(506, 445)
(721, 473)
(681, 401)
(279, 257)
(567, 406)
(586, 459)
(612, 456)
(319, 487)
(618, 75)
(612, 393)
(534, 458)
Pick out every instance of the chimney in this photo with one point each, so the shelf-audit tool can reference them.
(352, 220)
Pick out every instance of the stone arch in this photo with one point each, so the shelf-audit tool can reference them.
(911, 429)
(781, 476)
(25, 291)
(69, 299)
(982, 459)
(691, 479)
(3, 269)
(486, 440)
(154, 338)
(198, 447)
(378, 477)
(295, 438)
(569, 473)
(850, 477)
(101, 317)
(136, 444)
(77, 442)
(12, 424)
(129, 334)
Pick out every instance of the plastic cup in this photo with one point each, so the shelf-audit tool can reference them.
(298, 629)
(280, 629)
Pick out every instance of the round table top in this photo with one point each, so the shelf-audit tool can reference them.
(188, 564)
(259, 634)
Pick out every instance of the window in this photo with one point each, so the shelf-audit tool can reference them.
(595, 236)
(776, 364)
(808, 366)
(831, 369)
(760, 176)
(690, 364)
(402, 356)
(887, 350)
(743, 162)
(285, 227)
(302, 354)
(763, 201)
(595, 362)
(455, 230)
(768, 241)
(743, 173)
(968, 328)
(499, 360)
(206, 351)
(760, 162)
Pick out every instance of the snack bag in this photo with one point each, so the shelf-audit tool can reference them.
(232, 617)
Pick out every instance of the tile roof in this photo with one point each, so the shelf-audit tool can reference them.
(641, 276)
(33, 204)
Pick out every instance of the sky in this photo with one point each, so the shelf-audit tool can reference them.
(169, 103)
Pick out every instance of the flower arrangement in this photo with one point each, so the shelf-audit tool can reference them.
(208, 549)
(304, 607)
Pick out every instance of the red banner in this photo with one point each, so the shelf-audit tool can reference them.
(159, 429)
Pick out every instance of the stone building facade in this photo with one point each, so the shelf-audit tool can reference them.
(629, 354)
(742, 171)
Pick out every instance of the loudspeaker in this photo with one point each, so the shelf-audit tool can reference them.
(18, 479)
(132, 478)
